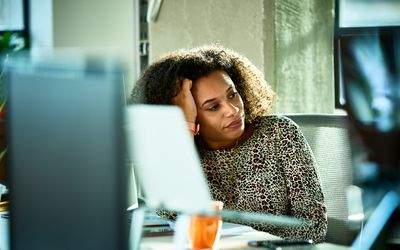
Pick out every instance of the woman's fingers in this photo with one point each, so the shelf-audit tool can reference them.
(185, 100)
(187, 85)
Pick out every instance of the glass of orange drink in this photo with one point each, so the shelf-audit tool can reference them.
(205, 230)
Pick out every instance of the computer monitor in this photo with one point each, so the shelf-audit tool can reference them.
(370, 70)
(66, 152)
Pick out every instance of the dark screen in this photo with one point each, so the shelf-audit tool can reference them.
(66, 154)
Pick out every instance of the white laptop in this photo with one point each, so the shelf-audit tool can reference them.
(168, 167)
(165, 160)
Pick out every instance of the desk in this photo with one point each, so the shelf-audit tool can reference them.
(232, 240)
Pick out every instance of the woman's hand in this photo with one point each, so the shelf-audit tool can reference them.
(185, 101)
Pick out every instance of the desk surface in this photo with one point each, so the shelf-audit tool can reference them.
(230, 239)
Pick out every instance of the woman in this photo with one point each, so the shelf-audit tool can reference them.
(253, 161)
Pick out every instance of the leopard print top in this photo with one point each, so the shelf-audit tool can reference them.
(273, 171)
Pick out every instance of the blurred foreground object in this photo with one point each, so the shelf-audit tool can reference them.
(370, 65)
(10, 42)
(66, 152)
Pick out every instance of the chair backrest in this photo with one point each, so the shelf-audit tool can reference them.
(329, 140)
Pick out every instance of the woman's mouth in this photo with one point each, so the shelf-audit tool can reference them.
(236, 124)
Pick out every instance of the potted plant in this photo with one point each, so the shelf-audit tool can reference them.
(9, 43)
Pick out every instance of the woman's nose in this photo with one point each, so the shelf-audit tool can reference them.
(231, 109)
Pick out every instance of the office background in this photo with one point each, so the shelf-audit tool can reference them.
(291, 41)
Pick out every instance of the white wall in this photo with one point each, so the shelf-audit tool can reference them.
(41, 23)
(98, 26)
(102, 25)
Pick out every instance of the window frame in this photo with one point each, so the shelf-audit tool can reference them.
(25, 32)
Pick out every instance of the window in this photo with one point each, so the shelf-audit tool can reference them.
(14, 24)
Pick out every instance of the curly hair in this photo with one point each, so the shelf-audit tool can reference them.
(162, 80)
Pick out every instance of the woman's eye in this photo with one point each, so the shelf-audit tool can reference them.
(212, 108)
(232, 95)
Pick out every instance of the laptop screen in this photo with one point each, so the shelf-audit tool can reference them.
(165, 159)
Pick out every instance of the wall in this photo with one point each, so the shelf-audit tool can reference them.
(41, 23)
(188, 23)
(289, 40)
(99, 26)
(304, 56)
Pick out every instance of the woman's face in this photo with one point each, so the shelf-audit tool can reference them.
(220, 110)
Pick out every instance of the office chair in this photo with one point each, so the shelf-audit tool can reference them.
(329, 140)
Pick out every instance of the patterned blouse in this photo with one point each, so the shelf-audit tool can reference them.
(273, 171)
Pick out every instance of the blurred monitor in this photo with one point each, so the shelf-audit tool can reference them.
(370, 71)
(66, 152)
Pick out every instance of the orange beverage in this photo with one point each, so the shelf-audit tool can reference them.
(204, 231)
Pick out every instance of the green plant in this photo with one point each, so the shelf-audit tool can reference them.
(9, 43)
